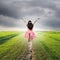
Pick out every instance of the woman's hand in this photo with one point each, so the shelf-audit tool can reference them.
(38, 18)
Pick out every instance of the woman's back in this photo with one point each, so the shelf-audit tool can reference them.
(30, 25)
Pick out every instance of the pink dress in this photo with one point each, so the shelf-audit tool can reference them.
(32, 34)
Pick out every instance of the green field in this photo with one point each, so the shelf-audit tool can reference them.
(46, 45)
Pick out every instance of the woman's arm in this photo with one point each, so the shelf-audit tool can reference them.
(24, 21)
(36, 20)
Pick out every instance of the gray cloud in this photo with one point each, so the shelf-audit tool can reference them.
(17, 9)
(8, 9)
(52, 24)
(6, 21)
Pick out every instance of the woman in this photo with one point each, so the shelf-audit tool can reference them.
(29, 33)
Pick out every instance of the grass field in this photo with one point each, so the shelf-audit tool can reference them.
(46, 45)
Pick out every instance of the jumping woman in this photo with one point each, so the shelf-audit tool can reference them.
(30, 35)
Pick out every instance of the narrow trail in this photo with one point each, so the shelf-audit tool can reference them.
(33, 56)
(29, 55)
(30, 50)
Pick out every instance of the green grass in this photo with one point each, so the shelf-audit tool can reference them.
(46, 45)
(13, 47)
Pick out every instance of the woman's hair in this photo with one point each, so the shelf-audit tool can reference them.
(30, 25)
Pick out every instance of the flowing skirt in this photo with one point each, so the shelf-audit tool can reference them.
(30, 35)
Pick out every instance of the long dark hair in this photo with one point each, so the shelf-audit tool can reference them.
(30, 25)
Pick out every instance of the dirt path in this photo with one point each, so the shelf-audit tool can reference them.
(29, 50)
(29, 55)
(33, 56)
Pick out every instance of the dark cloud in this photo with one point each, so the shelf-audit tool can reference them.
(17, 9)
(8, 9)
(8, 22)
(53, 24)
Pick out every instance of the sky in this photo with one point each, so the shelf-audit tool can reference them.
(13, 12)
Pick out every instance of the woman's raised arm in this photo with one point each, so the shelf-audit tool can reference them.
(24, 21)
(36, 20)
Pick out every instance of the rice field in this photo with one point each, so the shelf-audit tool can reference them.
(46, 45)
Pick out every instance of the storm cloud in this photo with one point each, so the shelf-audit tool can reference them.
(13, 10)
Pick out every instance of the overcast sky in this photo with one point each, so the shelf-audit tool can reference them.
(12, 12)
